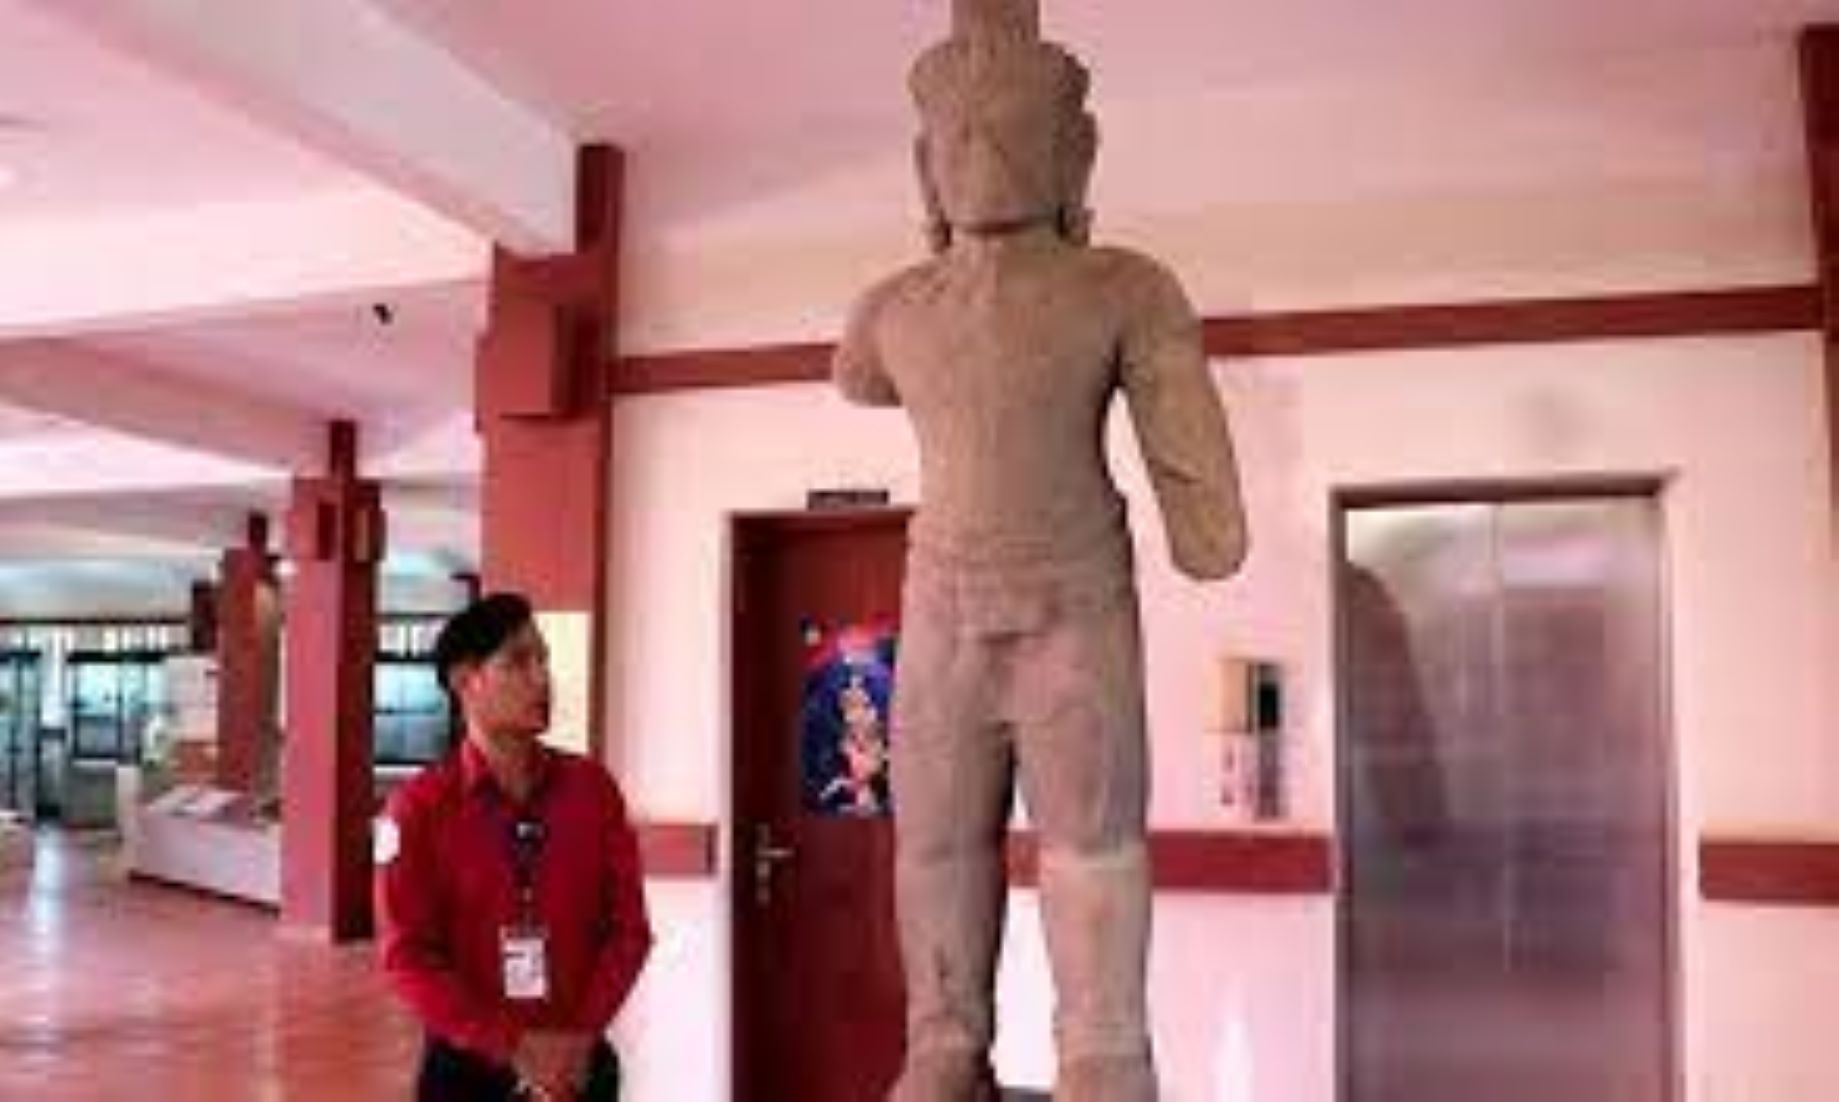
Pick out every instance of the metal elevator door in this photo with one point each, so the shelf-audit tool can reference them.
(1505, 921)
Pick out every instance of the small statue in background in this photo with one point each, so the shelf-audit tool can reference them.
(1021, 651)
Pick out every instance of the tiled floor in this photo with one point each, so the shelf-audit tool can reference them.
(117, 990)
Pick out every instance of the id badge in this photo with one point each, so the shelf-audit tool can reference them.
(526, 963)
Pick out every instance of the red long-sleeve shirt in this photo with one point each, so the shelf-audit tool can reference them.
(446, 888)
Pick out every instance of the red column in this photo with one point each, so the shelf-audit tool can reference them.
(335, 541)
(1820, 96)
(545, 420)
(248, 654)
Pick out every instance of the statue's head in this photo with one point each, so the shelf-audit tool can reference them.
(1005, 137)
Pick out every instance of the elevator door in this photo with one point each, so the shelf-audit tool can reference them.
(1505, 924)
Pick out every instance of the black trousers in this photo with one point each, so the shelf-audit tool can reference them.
(452, 1074)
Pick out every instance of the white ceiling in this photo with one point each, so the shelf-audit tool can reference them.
(398, 360)
(126, 151)
(99, 145)
(89, 131)
(698, 70)
(26, 424)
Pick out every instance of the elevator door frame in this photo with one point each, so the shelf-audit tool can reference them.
(1645, 487)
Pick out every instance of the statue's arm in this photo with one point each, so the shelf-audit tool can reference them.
(857, 368)
(1181, 427)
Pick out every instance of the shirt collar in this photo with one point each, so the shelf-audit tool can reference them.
(476, 771)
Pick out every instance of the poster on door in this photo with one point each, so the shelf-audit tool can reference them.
(843, 722)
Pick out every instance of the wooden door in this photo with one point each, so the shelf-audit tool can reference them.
(818, 996)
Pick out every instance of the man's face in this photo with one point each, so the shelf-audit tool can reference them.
(508, 693)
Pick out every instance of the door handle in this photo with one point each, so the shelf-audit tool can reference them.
(767, 855)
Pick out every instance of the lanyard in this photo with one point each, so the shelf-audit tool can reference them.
(526, 836)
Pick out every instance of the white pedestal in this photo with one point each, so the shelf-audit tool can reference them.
(176, 840)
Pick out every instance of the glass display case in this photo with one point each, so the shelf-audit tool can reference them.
(412, 722)
(76, 698)
(21, 682)
(111, 697)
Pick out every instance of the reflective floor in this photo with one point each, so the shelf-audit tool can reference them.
(119, 990)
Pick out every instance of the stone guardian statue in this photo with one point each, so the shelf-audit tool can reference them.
(1021, 654)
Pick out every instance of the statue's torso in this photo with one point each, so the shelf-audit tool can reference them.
(1005, 359)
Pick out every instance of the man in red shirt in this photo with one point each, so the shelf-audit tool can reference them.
(509, 895)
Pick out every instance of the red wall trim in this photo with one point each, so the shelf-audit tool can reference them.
(719, 367)
(1527, 321)
(677, 851)
(1215, 861)
(1730, 870)
(1767, 872)
(1324, 332)
(1185, 861)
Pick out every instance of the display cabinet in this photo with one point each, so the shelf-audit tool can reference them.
(411, 717)
(21, 705)
(111, 696)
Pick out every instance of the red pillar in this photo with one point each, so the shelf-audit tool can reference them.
(335, 541)
(248, 656)
(1820, 103)
(543, 414)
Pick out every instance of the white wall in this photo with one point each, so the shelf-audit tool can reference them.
(1732, 424)
(1616, 174)
(1532, 175)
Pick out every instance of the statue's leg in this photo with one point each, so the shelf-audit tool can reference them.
(1084, 774)
(952, 774)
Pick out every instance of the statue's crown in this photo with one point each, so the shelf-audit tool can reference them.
(995, 52)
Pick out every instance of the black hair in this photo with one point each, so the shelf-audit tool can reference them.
(474, 634)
